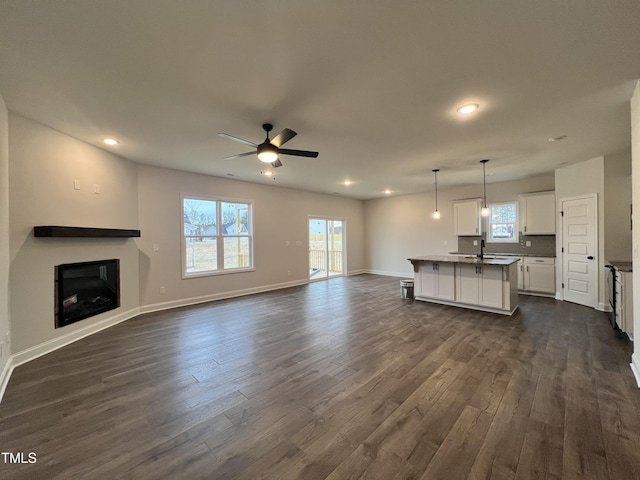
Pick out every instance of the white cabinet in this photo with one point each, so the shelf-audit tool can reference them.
(624, 301)
(435, 280)
(467, 219)
(539, 275)
(480, 285)
(521, 273)
(538, 213)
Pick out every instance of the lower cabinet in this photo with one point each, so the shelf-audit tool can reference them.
(624, 301)
(435, 280)
(489, 287)
(480, 285)
(539, 275)
(521, 273)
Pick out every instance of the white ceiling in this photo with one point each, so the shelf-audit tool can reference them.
(372, 85)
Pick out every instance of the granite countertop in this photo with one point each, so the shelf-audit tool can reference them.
(464, 259)
(506, 254)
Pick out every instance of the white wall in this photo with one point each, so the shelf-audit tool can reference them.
(4, 241)
(635, 160)
(400, 227)
(280, 215)
(617, 199)
(43, 164)
(580, 179)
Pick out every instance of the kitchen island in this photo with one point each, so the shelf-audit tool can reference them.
(487, 284)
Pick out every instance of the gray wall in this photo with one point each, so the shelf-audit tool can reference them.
(280, 216)
(400, 227)
(617, 199)
(4, 237)
(635, 166)
(43, 166)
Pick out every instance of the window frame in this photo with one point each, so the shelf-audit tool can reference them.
(516, 223)
(219, 236)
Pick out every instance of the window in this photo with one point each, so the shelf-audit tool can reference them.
(503, 224)
(217, 236)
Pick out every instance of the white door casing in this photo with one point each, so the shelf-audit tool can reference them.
(580, 250)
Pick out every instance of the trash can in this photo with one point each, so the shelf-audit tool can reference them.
(406, 289)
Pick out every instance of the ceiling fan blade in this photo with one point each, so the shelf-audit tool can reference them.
(283, 137)
(237, 139)
(239, 155)
(298, 153)
(276, 164)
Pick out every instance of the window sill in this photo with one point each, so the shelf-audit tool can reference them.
(186, 276)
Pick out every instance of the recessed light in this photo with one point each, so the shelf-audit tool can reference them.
(347, 182)
(467, 109)
(111, 141)
(557, 139)
(387, 192)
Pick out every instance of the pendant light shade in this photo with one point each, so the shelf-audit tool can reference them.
(485, 209)
(436, 212)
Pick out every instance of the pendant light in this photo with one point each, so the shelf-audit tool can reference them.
(485, 209)
(436, 213)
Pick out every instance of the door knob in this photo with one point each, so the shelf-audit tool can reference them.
(590, 257)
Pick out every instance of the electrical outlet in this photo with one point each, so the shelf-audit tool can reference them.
(162, 290)
(528, 243)
(289, 273)
(96, 188)
(76, 184)
(156, 247)
(475, 243)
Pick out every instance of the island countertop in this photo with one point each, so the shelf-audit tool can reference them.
(463, 259)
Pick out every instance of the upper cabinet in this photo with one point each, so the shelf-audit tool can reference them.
(467, 219)
(538, 213)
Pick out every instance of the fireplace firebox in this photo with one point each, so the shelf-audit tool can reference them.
(85, 289)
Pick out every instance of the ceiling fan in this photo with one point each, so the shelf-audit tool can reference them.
(269, 151)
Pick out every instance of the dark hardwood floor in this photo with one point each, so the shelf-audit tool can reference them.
(339, 380)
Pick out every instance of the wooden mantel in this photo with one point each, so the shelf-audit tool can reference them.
(83, 232)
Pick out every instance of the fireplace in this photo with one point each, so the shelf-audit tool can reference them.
(85, 289)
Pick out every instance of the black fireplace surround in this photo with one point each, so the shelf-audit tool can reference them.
(86, 289)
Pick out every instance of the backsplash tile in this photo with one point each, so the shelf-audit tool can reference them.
(541, 245)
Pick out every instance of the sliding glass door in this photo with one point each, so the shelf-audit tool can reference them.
(326, 248)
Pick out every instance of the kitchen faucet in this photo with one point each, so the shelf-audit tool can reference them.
(481, 254)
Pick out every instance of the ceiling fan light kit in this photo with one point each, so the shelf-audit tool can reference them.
(269, 151)
(267, 154)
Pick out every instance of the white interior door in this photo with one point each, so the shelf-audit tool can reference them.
(580, 251)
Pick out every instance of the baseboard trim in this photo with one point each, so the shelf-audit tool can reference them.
(351, 273)
(4, 377)
(389, 274)
(49, 346)
(185, 302)
(635, 367)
